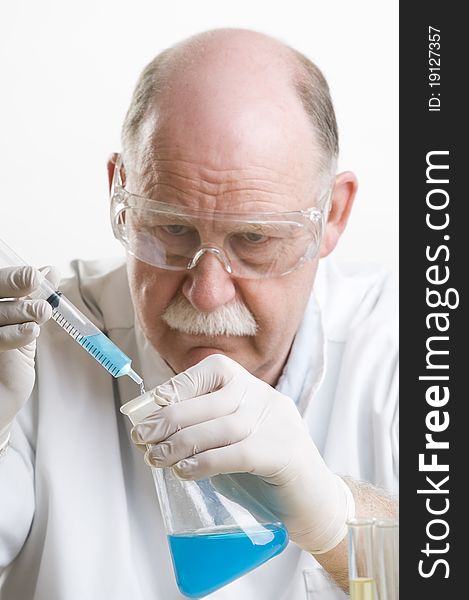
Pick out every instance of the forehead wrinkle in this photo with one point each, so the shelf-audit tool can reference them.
(215, 170)
(162, 153)
(235, 200)
(214, 174)
(226, 201)
(215, 182)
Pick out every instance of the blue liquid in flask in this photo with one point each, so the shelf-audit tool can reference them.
(205, 562)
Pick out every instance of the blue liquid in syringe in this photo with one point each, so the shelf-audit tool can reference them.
(106, 353)
(204, 562)
(97, 344)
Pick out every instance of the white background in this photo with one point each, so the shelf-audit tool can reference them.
(67, 72)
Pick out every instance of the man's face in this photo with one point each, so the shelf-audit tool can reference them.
(251, 150)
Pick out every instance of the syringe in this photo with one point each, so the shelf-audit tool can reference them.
(79, 327)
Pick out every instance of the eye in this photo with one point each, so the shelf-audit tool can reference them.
(176, 229)
(254, 237)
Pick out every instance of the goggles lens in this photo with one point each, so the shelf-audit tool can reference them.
(253, 245)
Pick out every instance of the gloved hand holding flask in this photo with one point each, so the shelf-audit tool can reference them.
(222, 419)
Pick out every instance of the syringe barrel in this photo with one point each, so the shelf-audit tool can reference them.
(64, 312)
(9, 258)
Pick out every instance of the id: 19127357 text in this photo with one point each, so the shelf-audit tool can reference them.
(434, 66)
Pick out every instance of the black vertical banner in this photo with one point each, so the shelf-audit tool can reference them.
(434, 255)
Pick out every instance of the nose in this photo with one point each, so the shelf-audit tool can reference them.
(208, 285)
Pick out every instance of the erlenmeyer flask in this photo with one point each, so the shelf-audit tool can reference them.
(217, 531)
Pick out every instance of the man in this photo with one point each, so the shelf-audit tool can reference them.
(226, 197)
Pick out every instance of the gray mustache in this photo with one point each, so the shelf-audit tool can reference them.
(233, 319)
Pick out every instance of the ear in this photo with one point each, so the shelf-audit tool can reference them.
(343, 194)
(111, 165)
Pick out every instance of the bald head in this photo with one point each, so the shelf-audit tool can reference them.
(237, 87)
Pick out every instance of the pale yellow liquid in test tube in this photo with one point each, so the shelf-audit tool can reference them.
(362, 588)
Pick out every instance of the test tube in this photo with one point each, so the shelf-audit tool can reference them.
(360, 559)
(386, 550)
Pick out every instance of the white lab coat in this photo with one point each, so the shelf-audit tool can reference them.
(79, 519)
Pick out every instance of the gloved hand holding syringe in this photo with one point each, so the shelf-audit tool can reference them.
(79, 327)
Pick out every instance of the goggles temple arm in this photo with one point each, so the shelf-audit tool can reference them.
(117, 178)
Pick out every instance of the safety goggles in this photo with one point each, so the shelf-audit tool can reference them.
(249, 245)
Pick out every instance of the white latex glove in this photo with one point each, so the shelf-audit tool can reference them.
(222, 419)
(20, 318)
